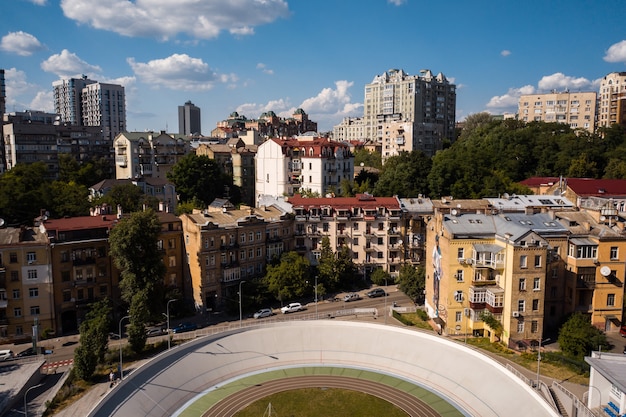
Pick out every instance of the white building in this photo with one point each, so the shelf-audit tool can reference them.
(287, 166)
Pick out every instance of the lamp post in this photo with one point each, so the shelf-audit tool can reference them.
(240, 315)
(121, 366)
(539, 359)
(386, 295)
(316, 297)
(168, 323)
(25, 394)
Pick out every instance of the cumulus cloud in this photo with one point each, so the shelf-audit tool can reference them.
(397, 2)
(20, 43)
(179, 72)
(264, 68)
(165, 19)
(20, 92)
(510, 99)
(505, 52)
(616, 52)
(68, 65)
(561, 82)
(39, 2)
(327, 108)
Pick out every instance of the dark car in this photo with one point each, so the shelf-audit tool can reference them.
(32, 352)
(184, 327)
(376, 292)
(622, 331)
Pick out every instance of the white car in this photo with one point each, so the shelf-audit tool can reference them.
(351, 297)
(264, 312)
(292, 308)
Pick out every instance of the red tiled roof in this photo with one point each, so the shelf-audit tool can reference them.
(597, 187)
(537, 181)
(82, 222)
(345, 202)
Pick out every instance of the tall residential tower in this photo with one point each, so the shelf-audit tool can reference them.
(189, 119)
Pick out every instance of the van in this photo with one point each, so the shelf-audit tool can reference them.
(5, 355)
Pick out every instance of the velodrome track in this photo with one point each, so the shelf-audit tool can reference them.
(192, 378)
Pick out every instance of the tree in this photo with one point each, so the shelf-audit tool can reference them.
(67, 199)
(578, 337)
(93, 339)
(381, 277)
(412, 281)
(129, 196)
(326, 266)
(22, 192)
(200, 177)
(288, 279)
(345, 270)
(136, 254)
(367, 158)
(404, 175)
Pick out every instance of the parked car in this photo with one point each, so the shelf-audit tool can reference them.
(32, 352)
(264, 312)
(155, 331)
(292, 308)
(622, 331)
(6, 355)
(184, 327)
(114, 336)
(351, 297)
(376, 292)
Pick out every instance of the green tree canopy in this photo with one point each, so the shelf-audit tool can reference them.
(404, 175)
(200, 177)
(129, 196)
(22, 193)
(94, 332)
(288, 279)
(412, 281)
(578, 337)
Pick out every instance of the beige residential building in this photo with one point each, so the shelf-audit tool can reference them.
(350, 129)
(226, 246)
(578, 110)
(26, 284)
(612, 100)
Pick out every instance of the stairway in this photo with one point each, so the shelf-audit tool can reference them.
(559, 404)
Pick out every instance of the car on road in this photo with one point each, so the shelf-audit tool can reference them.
(6, 355)
(184, 327)
(155, 331)
(376, 292)
(351, 297)
(264, 312)
(292, 308)
(32, 352)
(622, 331)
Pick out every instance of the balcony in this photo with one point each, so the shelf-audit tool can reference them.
(494, 310)
(84, 261)
(394, 232)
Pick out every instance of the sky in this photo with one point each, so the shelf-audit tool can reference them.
(253, 56)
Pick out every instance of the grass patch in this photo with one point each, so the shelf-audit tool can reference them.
(418, 319)
(313, 402)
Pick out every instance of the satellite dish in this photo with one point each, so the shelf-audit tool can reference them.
(1, 222)
(454, 212)
(605, 271)
(602, 218)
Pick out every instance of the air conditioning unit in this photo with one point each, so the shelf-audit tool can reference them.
(595, 261)
(516, 314)
(469, 261)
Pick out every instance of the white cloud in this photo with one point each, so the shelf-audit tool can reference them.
(68, 65)
(397, 2)
(505, 52)
(39, 2)
(559, 81)
(264, 68)
(510, 99)
(20, 43)
(20, 92)
(165, 19)
(179, 72)
(327, 108)
(616, 52)
(43, 101)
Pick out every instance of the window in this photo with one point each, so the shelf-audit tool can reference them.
(537, 261)
(534, 326)
(258, 236)
(243, 238)
(17, 312)
(18, 330)
(33, 292)
(172, 261)
(259, 252)
(13, 257)
(16, 294)
(521, 305)
(171, 244)
(65, 276)
(458, 316)
(15, 276)
(535, 304)
(242, 255)
(34, 311)
(32, 274)
(459, 275)
(522, 284)
(610, 300)
(460, 253)
(31, 257)
(520, 326)
(523, 261)
(614, 253)
(159, 244)
(250, 253)
(537, 284)
(67, 296)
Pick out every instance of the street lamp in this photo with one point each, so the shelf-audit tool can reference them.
(121, 366)
(168, 324)
(386, 295)
(25, 402)
(539, 359)
(240, 315)
(316, 297)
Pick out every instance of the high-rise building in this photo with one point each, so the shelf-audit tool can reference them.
(612, 100)
(3, 94)
(578, 110)
(189, 119)
(426, 101)
(84, 102)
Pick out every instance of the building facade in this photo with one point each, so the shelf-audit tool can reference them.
(612, 100)
(426, 101)
(189, 122)
(578, 110)
(308, 163)
(350, 129)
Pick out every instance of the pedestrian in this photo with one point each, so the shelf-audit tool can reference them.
(111, 379)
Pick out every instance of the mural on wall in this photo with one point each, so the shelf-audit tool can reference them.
(436, 274)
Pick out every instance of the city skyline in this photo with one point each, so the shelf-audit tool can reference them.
(254, 56)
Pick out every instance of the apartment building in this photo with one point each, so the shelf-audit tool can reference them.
(147, 154)
(287, 166)
(350, 129)
(161, 189)
(225, 246)
(426, 101)
(85, 102)
(267, 125)
(236, 159)
(612, 100)
(189, 121)
(578, 110)
(26, 284)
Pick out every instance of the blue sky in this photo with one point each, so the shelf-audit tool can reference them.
(252, 56)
